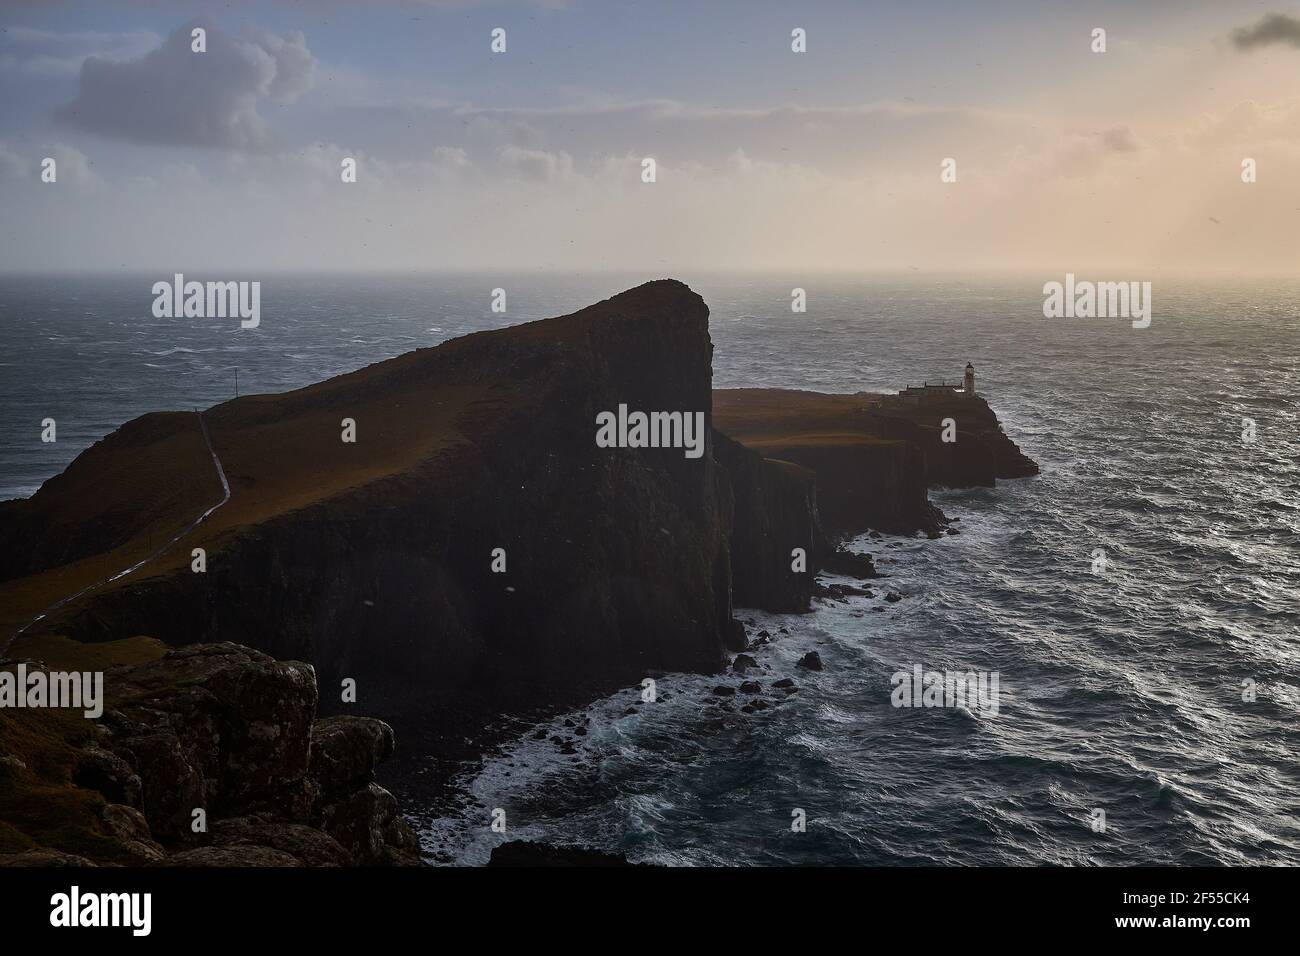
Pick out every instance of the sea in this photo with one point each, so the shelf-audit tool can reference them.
(1149, 701)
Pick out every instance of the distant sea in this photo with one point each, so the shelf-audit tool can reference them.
(1121, 692)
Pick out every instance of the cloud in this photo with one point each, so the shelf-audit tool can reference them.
(43, 53)
(455, 5)
(174, 96)
(1273, 28)
(73, 166)
(12, 165)
(537, 164)
(1118, 139)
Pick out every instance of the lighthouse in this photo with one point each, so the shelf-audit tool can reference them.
(969, 383)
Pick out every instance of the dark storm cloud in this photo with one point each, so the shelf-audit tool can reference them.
(1274, 28)
(175, 96)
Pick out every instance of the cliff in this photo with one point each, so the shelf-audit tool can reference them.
(218, 728)
(873, 458)
(374, 560)
(775, 513)
(980, 454)
(865, 479)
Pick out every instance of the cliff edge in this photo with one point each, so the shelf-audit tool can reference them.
(473, 544)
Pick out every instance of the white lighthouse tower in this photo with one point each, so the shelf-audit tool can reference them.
(969, 383)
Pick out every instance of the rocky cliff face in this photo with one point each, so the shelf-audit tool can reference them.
(775, 513)
(873, 458)
(864, 482)
(215, 728)
(375, 560)
(981, 454)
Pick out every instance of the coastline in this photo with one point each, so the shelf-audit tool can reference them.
(745, 524)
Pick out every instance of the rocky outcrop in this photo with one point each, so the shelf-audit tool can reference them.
(980, 454)
(230, 732)
(865, 482)
(874, 457)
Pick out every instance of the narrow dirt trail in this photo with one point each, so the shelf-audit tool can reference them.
(225, 496)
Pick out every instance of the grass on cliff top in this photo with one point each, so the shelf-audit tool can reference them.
(824, 440)
(280, 453)
(64, 654)
(40, 806)
(748, 414)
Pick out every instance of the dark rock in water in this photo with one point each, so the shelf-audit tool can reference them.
(722, 690)
(850, 564)
(758, 703)
(783, 682)
(581, 731)
(748, 708)
(540, 735)
(878, 607)
(811, 661)
(734, 637)
(742, 663)
(751, 687)
(893, 597)
(630, 712)
(528, 853)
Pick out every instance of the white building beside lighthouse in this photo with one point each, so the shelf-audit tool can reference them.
(929, 392)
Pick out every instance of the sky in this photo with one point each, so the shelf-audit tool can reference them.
(1125, 162)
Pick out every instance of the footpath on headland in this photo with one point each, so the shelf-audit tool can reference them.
(161, 549)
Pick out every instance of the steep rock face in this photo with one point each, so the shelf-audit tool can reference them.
(775, 512)
(864, 482)
(981, 453)
(232, 732)
(374, 561)
(874, 457)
